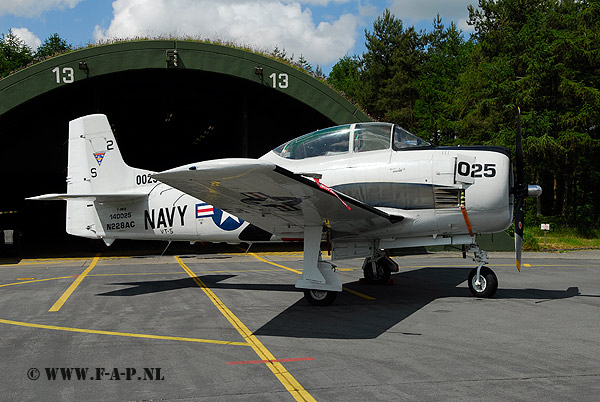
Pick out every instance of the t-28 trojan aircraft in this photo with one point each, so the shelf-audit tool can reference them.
(365, 188)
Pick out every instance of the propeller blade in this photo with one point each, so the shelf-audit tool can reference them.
(520, 179)
(519, 224)
(520, 192)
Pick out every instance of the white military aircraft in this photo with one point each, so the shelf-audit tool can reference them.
(365, 188)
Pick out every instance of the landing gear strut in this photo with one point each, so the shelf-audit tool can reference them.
(482, 280)
(318, 280)
(378, 268)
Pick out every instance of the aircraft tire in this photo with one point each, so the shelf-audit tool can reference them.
(384, 273)
(319, 297)
(488, 287)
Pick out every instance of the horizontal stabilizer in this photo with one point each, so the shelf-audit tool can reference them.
(90, 197)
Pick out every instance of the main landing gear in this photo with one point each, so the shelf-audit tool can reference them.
(319, 297)
(482, 280)
(318, 280)
(378, 268)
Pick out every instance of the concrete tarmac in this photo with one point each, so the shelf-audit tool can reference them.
(232, 327)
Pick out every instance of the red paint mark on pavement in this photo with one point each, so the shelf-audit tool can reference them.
(295, 359)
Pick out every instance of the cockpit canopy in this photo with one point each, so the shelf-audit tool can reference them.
(359, 137)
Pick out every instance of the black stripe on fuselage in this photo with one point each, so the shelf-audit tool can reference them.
(344, 197)
(490, 148)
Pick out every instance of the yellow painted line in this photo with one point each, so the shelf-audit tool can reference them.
(59, 303)
(37, 280)
(46, 261)
(278, 253)
(286, 379)
(562, 265)
(139, 273)
(198, 272)
(277, 265)
(498, 265)
(354, 292)
(99, 332)
(491, 264)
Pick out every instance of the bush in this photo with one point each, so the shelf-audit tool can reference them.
(530, 243)
(584, 221)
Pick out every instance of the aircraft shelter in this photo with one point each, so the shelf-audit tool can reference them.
(169, 102)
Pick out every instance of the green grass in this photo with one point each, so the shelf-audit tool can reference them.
(559, 239)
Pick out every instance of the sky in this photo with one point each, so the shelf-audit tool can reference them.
(322, 31)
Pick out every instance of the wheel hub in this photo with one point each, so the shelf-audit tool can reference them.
(479, 287)
(318, 294)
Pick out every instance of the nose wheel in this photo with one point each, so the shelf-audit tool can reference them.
(482, 280)
(485, 285)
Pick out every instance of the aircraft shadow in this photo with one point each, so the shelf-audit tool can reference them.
(211, 281)
(352, 317)
(546, 295)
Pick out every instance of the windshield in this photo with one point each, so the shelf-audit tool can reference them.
(372, 137)
(403, 140)
(336, 140)
(329, 141)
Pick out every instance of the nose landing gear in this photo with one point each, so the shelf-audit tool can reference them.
(482, 280)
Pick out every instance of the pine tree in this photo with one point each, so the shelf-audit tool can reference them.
(53, 45)
(392, 67)
(345, 77)
(14, 53)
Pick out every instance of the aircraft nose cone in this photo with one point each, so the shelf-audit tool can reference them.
(533, 190)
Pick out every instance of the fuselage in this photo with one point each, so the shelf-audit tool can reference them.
(379, 164)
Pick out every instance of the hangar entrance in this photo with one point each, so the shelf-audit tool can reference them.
(162, 118)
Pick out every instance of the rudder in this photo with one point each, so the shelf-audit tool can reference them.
(95, 162)
(95, 167)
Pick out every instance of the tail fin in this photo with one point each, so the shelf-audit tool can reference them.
(95, 162)
(96, 173)
(97, 168)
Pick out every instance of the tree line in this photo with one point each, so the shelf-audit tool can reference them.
(16, 54)
(542, 56)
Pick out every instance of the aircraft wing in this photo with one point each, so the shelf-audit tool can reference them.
(273, 198)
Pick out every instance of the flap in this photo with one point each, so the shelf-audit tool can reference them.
(273, 198)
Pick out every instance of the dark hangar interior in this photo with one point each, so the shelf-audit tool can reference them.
(162, 117)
